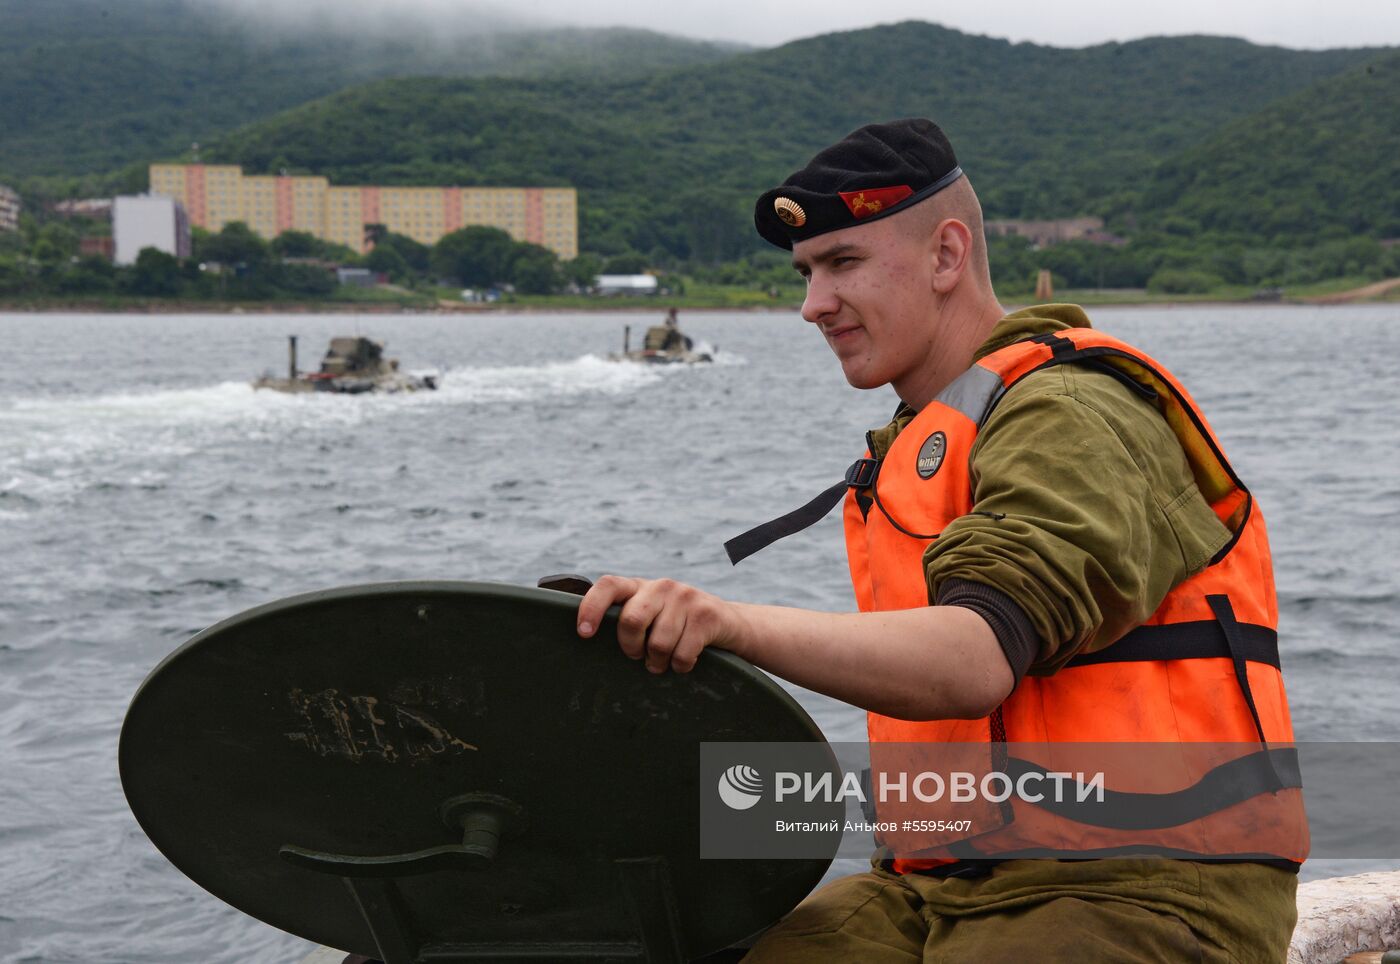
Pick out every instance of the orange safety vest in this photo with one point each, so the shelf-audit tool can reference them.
(1203, 669)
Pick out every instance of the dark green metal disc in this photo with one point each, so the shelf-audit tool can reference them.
(344, 721)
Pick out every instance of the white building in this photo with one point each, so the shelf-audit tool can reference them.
(356, 277)
(9, 209)
(149, 221)
(85, 207)
(626, 284)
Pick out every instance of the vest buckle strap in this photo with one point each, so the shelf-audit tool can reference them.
(1057, 344)
(861, 474)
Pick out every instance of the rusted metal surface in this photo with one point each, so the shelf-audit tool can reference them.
(359, 727)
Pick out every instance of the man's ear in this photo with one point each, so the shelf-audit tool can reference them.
(952, 248)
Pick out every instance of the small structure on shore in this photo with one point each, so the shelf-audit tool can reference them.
(352, 366)
(626, 284)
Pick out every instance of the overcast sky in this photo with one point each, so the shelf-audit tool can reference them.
(1062, 23)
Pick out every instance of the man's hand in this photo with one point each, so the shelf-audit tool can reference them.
(665, 622)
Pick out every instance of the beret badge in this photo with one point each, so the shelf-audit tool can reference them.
(873, 172)
(790, 212)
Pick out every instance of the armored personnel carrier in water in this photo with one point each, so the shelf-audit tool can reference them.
(664, 344)
(351, 366)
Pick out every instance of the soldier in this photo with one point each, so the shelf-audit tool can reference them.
(1046, 543)
(667, 335)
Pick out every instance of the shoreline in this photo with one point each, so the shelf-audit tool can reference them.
(351, 309)
(1378, 293)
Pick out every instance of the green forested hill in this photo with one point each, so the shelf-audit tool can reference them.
(671, 161)
(1326, 160)
(668, 140)
(89, 85)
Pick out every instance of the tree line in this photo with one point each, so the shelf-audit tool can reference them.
(235, 263)
(667, 166)
(1221, 162)
(1184, 263)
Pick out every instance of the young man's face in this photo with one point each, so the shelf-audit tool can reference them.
(870, 293)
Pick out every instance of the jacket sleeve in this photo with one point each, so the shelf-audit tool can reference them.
(1084, 512)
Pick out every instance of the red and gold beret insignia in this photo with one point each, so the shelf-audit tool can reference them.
(790, 212)
(862, 204)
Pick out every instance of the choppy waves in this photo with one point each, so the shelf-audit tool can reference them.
(137, 512)
(55, 447)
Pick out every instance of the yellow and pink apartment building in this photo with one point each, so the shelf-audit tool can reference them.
(215, 194)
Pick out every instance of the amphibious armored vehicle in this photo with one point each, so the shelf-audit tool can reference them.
(664, 344)
(351, 366)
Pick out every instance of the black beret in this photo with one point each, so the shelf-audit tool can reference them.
(871, 173)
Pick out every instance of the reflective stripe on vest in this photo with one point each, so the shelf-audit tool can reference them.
(1203, 668)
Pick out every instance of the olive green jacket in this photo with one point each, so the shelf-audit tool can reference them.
(1087, 511)
(1101, 520)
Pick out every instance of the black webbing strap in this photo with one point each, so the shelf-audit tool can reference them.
(964, 850)
(1058, 346)
(1230, 783)
(860, 475)
(1225, 614)
(1203, 639)
(1236, 781)
(983, 868)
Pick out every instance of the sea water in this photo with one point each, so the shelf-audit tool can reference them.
(146, 492)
